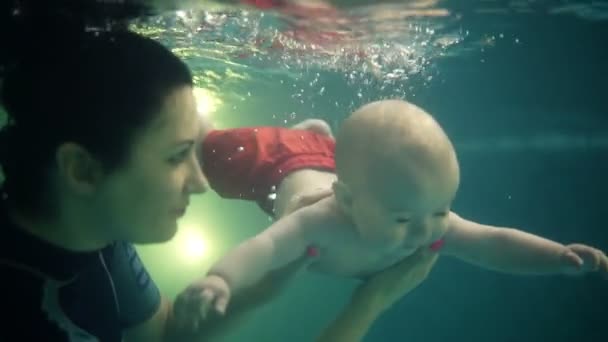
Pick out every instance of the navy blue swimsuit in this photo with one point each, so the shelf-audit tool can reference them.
(51, 294)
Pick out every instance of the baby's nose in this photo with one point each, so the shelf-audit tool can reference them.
(419, 233)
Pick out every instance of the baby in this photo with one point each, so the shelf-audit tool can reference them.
(392, 185)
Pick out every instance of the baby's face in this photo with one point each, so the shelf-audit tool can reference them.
(406, 208)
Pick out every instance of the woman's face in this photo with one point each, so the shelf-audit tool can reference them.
(141, 201)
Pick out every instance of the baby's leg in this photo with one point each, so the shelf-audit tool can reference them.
(315, 125)
(306, 182)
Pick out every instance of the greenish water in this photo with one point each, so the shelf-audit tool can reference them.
(521, 92)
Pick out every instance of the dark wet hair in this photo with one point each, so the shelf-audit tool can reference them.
(96, 89)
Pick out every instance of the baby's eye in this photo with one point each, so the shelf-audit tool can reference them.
(441, 214)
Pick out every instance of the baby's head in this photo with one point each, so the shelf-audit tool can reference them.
(397, 174)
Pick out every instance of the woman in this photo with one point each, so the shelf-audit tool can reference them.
(99, 154)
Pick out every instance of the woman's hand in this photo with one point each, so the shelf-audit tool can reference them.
(386, 287)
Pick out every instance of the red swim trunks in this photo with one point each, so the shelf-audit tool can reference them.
(249, 163)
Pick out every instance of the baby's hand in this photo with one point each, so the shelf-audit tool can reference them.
(580, 259)
(194, 303)
(214, 292)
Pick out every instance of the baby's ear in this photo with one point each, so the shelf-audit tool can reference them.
(343, 197)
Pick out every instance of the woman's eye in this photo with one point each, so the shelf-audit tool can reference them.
(179, 157)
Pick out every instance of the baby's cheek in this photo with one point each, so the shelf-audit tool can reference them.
(399, 235)
(439, 231)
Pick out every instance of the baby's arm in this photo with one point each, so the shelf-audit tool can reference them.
(283, 242)
(514, 251)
